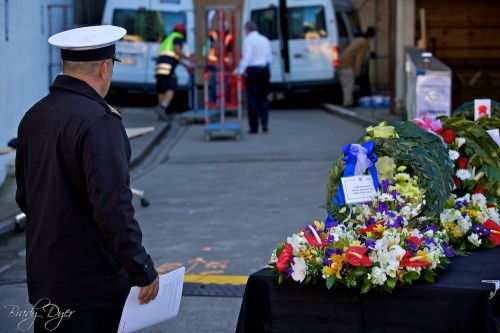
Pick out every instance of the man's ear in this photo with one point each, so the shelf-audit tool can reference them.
(103, 68)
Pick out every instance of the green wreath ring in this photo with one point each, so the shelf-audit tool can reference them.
(419, 150)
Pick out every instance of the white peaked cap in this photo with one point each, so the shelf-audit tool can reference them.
(88, 43)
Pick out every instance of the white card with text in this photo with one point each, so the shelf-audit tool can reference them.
(165, 306)
(358, 188)
(482, 108)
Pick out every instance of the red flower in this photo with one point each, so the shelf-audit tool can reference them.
(284, 258)
(478, 190)
(462, 162)
(414, 240)
(494, 235)
(457, 181)
(409, 261)
(449, 136)
(355, 255)
(371, 228)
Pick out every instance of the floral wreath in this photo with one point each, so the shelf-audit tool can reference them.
(414, 223)
(413, 147)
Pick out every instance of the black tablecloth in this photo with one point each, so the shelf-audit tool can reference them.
(457, 302)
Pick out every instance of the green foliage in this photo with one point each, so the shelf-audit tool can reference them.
(423, 152)
(482, 151)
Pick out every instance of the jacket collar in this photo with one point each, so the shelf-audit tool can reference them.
(77, 86)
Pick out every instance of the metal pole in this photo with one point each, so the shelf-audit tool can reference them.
(392, 53)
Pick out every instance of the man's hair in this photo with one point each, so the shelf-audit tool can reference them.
(251, 26)
(84, 67)
(370, 32)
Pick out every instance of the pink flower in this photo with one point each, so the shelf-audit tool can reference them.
(429, 124)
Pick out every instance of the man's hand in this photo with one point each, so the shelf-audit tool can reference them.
(148, 293)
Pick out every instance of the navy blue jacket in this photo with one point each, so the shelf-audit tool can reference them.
(83, 244)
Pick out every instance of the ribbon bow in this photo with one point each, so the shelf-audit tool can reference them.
(358, 158)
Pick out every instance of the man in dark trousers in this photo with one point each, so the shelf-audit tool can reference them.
(170, 56)
(257, 57)
(83, 245)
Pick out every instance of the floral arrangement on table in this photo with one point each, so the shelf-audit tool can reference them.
(420, 217)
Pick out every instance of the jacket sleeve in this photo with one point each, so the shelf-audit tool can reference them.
(106, 156)
(20, 181)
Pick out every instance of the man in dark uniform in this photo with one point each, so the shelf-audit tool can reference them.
(170, 56)
(83, 245)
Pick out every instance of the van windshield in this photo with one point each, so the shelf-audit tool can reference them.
(307, 22)
(146, 25)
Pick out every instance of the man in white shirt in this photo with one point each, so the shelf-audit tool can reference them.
(257, 57)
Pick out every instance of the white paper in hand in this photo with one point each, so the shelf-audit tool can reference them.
(165, 306)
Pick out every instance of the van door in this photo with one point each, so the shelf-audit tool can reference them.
(266, 16)
(131, 49)
(310, 40)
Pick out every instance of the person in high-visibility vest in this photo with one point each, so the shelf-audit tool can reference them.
(213, 62)
(170, 55)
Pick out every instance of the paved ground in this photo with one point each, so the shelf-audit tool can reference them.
(216, 207)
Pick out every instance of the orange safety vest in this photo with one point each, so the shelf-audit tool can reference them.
(212, 55)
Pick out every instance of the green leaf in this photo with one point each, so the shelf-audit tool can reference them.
(330, 281)
(428, 276)
(281, 278)
(391, 282)
(367, 285)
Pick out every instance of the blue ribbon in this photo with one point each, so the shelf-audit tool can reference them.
(351, 158)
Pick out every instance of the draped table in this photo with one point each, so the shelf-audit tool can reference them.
(457, 302)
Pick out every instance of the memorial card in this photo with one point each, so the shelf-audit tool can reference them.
(482, 108)
(358, 188)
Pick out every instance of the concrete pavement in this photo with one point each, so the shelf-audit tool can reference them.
(142, 146)
(277, 147)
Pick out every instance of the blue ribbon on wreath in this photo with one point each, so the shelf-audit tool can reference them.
(358, 158)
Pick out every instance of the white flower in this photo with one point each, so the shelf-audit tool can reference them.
(460, 142)
(391, 270)
(396, 254)
(377, 276)
(299, 268)
(463, 174)
(493, 214)
(478, 199)
(386, 197)
(453, 154)
(274, 258)
(298, 243)
(474, 239)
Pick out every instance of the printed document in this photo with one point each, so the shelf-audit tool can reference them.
(165, 306)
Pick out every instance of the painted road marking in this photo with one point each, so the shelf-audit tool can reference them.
(216, 279)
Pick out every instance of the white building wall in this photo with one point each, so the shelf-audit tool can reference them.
(25, 26)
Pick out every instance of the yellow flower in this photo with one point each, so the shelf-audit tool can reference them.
(335, 266)
(472, 213)
(382, 131)
(384, 167)
(424, 255)
(319, 225)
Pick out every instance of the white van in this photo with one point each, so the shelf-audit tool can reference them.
(306, 37)
(147, 22)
